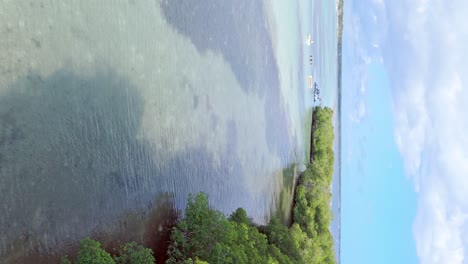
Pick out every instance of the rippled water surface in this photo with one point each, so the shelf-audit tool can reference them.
(112, 112)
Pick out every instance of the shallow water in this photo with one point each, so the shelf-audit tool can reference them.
(320, 20)
(106, 106)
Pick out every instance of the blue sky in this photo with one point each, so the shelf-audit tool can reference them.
(405, 153)
(379, 204)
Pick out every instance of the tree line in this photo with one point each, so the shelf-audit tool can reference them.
(206, 235)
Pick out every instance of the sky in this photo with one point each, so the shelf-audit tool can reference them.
(405, 153)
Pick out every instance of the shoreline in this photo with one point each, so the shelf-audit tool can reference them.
(340, 25)
(313, 126)
(297, 241)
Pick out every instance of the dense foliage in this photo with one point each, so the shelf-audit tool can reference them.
(130, 253)
(91, 253)
(205, 235)
(309, 239)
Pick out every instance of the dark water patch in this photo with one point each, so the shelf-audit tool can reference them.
(9, 130)
(236, 29)
(191, 171)
(150, 227)
(66, 141)
(239, 31)
(36, 43)
(220, 175)
(80, 165)
(195, 101)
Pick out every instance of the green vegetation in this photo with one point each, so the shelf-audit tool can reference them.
(131, 253)
(309, 239)
(91, 253)
(205, 235)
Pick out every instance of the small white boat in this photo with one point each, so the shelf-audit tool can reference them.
(309, 40)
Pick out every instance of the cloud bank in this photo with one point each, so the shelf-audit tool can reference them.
(425, 54)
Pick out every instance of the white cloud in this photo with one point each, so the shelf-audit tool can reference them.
(379, 2)
(428, 71)
(443, 243)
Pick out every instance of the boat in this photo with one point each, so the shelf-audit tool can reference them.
(309, 40)
(316, 93)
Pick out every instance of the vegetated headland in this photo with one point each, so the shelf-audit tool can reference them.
(206, 235)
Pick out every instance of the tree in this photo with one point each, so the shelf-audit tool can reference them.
(65, 260)
(91, 253)
(280, 237)
(132, 253)
(240, 217)
(206, 234)
(202, 233)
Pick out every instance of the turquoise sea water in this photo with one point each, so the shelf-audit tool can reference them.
(319, 18)
(106, 106)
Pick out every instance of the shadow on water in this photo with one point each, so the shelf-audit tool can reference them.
(67, 144)
(72, 165)
(72, 162)
(236, 29)
(240, 32)
(151, 228)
